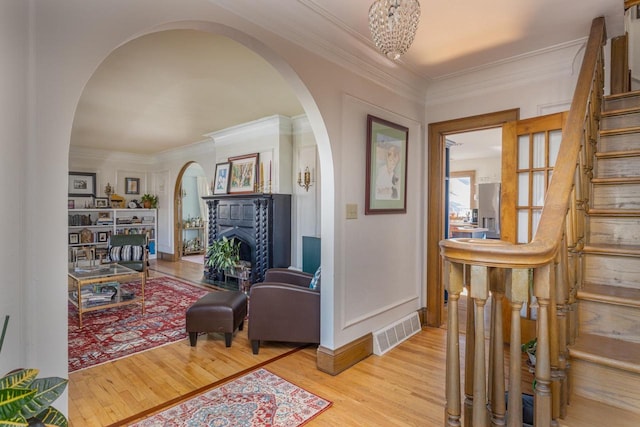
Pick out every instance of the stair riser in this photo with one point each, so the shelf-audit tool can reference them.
(620, 121)
(614, 387)
(618, 167)
(622, 103)
(609, 320)
(619, 142)
(621, 196)
(619, 231)
(612, 270)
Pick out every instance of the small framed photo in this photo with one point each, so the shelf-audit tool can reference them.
(221, 178)
(101, 202)
(82, 184)
(103, 236)
(243, 173)
(132, 185)
(386, 176)
(71, 204)
(74, 238)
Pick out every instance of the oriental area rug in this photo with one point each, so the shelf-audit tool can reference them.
(259, 398)
(121, 331)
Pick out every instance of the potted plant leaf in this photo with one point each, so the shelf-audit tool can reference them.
(223, 255)
(149, 201)
(26, 400)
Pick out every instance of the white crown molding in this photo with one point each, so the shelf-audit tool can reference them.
(545, 64)
(85, 153)
(272, 125)
(345, 49)
(194, 151)
(300, 125)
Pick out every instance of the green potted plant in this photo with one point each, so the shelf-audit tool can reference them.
(223, 255)
(149, 201)
(26, 400)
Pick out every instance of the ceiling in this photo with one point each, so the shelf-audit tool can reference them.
(169, 89)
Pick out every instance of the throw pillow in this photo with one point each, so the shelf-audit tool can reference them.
(131, 253)
(314, 280)
(114, 253)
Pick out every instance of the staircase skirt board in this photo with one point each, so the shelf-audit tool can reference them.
(609, 320)
(624, 196)
(612, 270)
(611, 386)
(614, 230)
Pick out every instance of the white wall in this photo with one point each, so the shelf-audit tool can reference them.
(14, 145)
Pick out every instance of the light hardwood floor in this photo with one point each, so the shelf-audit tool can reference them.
(405, 387)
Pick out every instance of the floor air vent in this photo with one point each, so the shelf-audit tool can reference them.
(387, 338)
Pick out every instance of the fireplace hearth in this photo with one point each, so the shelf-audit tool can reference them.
(262, 224)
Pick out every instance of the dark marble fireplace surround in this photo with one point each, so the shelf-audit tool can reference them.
(261, 222)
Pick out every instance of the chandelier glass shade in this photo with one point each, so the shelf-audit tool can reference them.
(393, 25)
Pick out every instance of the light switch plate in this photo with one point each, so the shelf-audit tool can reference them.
(352, 211)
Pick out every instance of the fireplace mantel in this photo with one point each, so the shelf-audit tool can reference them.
(262, 222)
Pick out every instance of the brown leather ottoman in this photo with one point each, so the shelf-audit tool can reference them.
(222, 311)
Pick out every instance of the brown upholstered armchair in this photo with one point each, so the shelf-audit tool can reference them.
(284, 308)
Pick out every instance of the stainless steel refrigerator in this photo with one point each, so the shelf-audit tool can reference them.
(489, 209)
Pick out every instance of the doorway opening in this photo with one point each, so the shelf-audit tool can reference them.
(190, 212)
(438, 173)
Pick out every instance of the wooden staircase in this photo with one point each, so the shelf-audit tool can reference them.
(605, 358)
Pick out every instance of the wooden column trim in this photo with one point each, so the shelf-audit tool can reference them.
(335, 361)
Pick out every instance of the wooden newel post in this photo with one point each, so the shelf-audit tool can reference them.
(453, 281)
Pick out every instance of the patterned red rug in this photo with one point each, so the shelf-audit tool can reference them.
(121, 331)
(259, 398)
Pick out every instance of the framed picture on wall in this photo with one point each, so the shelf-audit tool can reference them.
(386, 170)
(132, 186)
(103, 236)
(82, 184)
(242, 178)
(221, 178)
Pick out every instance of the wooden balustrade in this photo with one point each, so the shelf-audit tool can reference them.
(494, 270)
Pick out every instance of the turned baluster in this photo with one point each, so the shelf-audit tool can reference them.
(470, 344)
(479, 294)
(453, 273)
(542, 280)
(496, 361)
(517, 291)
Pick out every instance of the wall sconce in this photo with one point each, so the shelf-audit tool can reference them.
(108, 190)
(305, 182)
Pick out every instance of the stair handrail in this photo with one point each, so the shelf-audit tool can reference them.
(545, 244)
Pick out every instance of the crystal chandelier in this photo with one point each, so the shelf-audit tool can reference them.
(393, 25)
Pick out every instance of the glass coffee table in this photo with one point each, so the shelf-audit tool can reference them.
(97, 287)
